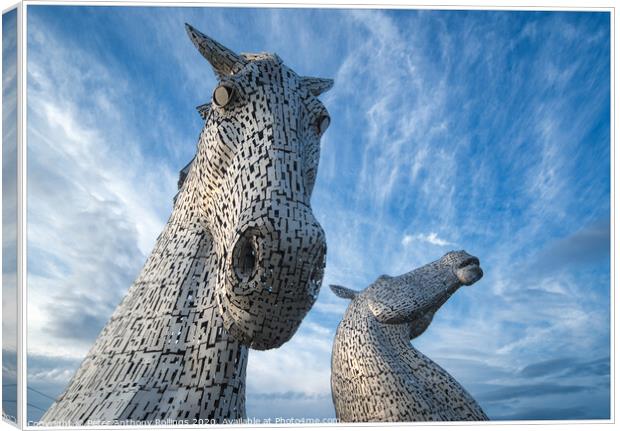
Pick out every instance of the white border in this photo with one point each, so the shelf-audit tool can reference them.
(549, 5)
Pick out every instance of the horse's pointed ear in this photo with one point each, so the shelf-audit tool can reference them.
(223, 60)
(204, 110)
(343, 292)
(317, 86)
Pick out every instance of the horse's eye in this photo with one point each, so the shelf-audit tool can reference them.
(222, 95)
(322, 123)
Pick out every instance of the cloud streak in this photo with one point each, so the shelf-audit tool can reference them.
(431, 238)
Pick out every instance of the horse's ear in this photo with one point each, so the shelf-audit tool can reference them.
(223, 60)
(204, 110)
(317, 86)
(343, 292)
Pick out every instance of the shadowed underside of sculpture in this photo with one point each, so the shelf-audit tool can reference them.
(377, 375)
(238, 265)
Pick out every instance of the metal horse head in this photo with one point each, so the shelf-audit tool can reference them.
(414, 297)
(255, 167)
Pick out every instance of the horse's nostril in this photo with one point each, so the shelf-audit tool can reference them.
(314, 284)
(316, 276)
(244, 257)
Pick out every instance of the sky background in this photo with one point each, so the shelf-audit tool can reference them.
(9, 214)
(477, 130)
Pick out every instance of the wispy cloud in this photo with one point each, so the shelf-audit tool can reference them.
(88, 181)
(567, 366)
(431, 238)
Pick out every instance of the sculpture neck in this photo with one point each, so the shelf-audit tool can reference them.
(212, 370)
(164, 352)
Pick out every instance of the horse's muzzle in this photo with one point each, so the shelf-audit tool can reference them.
(273, 270)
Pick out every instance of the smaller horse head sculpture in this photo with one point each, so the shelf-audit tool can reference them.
(255, 167)
(414, 297)
(372, 348)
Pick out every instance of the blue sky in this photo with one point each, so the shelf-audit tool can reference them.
(477, 130)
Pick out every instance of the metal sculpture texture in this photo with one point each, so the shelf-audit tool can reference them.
(377, 375)
(239, 263)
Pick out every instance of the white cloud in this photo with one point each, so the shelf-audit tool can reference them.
(325, 307)
(302, 365)
(431, 238)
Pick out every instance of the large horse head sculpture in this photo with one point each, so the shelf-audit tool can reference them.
(255, 168)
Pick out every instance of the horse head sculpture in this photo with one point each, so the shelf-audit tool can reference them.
(372, 348)
(256, 166)
(238, 264)
(414, 297)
